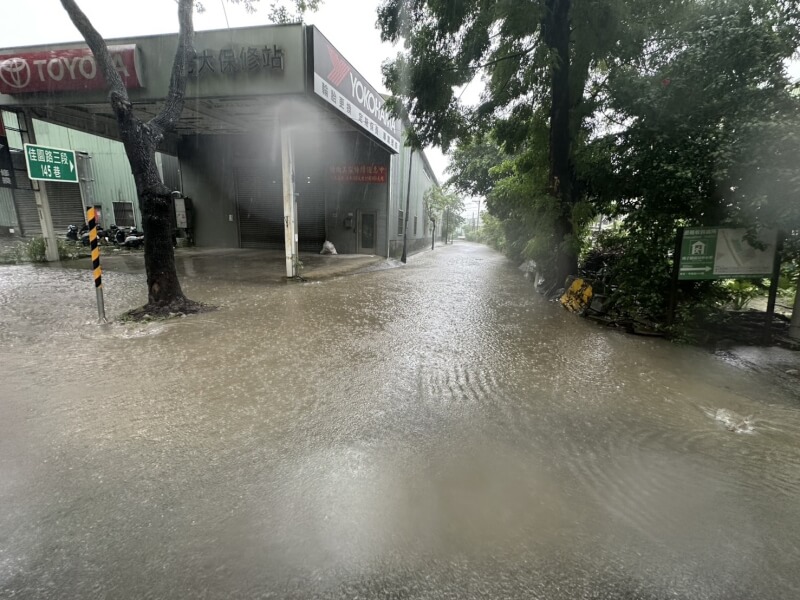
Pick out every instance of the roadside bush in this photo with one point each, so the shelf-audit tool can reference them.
(742, 292)
(35, 250)
(635, 267)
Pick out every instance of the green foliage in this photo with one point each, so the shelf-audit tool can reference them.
(742, 292)
(443, 210)
(278, 12)
(35, 250)
(680, 114)
(705, 133)
(491, 232)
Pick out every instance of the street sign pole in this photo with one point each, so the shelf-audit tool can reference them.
(676, 269)
(773, 288)
(42, 203)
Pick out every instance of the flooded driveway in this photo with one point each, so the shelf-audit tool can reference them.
(434, 431)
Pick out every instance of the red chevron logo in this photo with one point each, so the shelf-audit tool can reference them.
(340, 67)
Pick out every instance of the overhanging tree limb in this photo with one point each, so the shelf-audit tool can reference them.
(176, 98)
(118, 93)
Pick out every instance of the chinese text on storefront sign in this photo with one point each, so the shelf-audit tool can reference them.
(359, 173)
(249, 59)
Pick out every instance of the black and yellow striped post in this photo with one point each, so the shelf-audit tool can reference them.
(97, 272)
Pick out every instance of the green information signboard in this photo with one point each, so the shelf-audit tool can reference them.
(51, 164)
(721, 253)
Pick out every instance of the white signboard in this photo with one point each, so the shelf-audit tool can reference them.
(341, 86)
(735, 257)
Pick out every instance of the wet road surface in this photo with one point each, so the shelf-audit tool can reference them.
(434, 431)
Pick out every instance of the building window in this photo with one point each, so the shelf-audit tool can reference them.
(415, 225)
(123, 214)
(400, 216)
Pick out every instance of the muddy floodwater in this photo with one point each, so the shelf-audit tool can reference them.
(431, 431)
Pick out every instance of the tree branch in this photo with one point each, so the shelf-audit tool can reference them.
(96, 43)
(176, 96)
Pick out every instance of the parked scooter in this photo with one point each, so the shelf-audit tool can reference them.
(82, 235)
(134, 239)
(116, 235)
(126, 237)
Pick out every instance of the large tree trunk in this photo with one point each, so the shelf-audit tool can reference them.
(141, 140)
(556, 29)
(163, 287)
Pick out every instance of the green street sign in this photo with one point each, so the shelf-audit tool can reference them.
(51, 164)
(723, 253)
(697, 253)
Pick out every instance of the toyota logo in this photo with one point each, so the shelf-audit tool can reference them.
(15, 72)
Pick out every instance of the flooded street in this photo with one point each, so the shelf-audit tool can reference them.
(432, 431)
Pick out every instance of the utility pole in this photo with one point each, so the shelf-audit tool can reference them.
(404, 257)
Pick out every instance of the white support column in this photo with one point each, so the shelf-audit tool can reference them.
(289, 205)
(42, 203)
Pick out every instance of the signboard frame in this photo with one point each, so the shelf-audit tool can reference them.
(41, 174)
(706, 271)
(714, 253)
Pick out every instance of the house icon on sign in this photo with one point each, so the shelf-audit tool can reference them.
(698, 248)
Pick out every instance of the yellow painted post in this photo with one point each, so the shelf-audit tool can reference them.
(97, 272)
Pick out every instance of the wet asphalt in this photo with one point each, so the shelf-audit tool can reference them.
(431, 431)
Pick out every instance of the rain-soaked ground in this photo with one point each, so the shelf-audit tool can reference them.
(433, 431)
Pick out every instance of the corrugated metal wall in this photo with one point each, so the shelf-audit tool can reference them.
(421, 180)
(113, 181)
(8, 216)
(111, 172)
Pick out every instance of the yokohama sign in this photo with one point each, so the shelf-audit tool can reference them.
(67, 70)
(335, 81)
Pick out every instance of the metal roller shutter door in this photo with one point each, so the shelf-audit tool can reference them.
(311, 213)
(27, 213)
(310, 188)
(259, 204)
(66, 206)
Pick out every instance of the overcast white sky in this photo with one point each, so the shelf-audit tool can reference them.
(348, 24)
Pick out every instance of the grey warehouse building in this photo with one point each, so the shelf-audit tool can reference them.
(281, 138)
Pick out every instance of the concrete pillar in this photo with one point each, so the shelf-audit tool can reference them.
(289, 204)
(42, 204)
